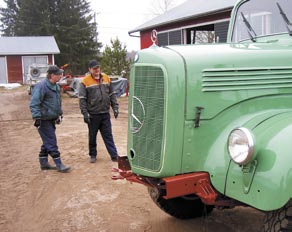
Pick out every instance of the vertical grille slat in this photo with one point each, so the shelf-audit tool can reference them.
(147, 142)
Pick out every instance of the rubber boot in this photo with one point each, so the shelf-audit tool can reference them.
(60, 166)
(45, 165)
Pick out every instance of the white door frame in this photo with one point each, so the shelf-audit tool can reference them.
(3, 70)
(28, 60)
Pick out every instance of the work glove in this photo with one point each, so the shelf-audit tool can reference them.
(37, 123)
(86, 118)
(116, 112)
(59, 120)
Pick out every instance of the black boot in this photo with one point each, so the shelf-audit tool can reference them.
(45, 165)
(60, 166)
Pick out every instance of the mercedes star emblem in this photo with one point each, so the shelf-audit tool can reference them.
(137, 115)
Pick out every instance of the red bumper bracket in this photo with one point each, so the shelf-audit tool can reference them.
(192, 183)
(124, 172)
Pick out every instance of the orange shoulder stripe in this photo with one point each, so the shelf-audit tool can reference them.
(88, 81)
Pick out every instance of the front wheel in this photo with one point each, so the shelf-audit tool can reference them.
(279, 220)
(186, 207)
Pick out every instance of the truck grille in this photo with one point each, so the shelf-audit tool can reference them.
(147, 142)
(246, 79)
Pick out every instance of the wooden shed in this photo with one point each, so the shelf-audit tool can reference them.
(17, 53)
(192, 22)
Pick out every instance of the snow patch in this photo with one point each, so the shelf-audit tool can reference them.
(10, 86)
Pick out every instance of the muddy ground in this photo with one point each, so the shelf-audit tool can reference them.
(86, 199)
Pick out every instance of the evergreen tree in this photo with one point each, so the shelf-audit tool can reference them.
(76, 33)
(33, 18)
(69, 21)
(8, 17)
(114, 60)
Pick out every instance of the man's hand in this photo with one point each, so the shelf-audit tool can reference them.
(59, 120)
(37, 123)
(116, 112)
(86, 118)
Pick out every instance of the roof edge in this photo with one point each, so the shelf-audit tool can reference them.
(139, 29)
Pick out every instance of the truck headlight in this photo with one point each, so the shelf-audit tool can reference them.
(240, 145)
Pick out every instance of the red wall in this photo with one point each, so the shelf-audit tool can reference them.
(145, 36)
(145, 39)
(50, 59)
(14, 68)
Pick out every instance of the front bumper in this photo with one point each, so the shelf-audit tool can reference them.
(197, 183)
(124, 172)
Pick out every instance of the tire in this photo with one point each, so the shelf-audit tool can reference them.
(187, 207)
(279, 220)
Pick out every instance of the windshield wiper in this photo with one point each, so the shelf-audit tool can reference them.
(249, 27)
(284, 16)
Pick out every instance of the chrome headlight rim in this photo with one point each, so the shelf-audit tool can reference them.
(246, 136)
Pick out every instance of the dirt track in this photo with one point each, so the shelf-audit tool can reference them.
(86, 199)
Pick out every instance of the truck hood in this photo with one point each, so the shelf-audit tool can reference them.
(226, 74)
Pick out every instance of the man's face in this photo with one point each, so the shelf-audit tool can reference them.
(95, 72)
(55, 78)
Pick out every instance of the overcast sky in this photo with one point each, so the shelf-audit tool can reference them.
(116, 17)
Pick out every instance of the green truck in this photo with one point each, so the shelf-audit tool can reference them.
(210, 125)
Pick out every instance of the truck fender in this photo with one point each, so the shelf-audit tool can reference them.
(271, 185)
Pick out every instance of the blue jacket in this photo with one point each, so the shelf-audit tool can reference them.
(46, 102)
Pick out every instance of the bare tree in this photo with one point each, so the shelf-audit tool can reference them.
(161, 6)
(205, 37)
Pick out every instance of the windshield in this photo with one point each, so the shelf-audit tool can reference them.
(257, 18)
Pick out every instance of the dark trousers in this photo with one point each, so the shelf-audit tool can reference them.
(102, 123)
(47, 131)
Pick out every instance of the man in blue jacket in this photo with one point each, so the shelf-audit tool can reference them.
(46, 109)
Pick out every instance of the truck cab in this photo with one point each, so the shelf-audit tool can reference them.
(210, 125)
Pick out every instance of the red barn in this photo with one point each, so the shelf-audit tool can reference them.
(194, 21)
(17, 53)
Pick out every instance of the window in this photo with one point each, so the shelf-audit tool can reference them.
(170, 38)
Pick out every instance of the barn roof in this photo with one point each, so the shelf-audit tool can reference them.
(188, 10)
(28, 45)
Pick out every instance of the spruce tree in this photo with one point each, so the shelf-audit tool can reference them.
(69, 21)
(76, 33)
(114, 60)
(8, 18)
(33, 18)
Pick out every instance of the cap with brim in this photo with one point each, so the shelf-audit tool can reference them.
(93, 64)
(54, 69)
